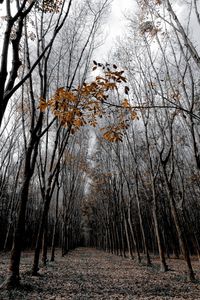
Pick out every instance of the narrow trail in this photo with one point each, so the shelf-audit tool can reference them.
(87, 273)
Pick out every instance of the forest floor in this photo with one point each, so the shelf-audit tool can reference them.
(87, 273)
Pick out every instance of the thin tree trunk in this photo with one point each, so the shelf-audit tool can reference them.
(54, 228)
(142, 229)
(45, 243)
(163, 265)
(181, 235)
(133, 235)
(13, 279)
(35, 266)
(18, 241)
(130, 254)
(5, 246)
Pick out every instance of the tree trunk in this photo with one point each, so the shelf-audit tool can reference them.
(35, 266)
(130, 254)
(133, 236)
(181, 235)
(6, 238)
(122, 238)
(182, 241)
(64, 238)
(142, 230)
(45, 243)
(55, 225)
(13, 279)
(163, 265)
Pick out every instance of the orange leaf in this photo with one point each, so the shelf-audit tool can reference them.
(42, 105)
(134, 115)
(125, 103)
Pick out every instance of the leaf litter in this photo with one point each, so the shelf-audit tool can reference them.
(87, 273)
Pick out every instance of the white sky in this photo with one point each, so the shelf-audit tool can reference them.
(117, 19)
(115, 25)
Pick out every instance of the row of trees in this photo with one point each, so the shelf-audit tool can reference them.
(136, 189)
(147, 188)
(52, 43)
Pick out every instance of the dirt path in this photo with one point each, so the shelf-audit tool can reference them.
(90, 274)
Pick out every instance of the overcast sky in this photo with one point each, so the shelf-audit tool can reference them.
(115, 25)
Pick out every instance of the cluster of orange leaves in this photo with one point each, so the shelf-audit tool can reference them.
(50, 6)
(90, 101)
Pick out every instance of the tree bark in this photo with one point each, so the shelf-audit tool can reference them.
(181, 236)
(163, 265)
(35, 266)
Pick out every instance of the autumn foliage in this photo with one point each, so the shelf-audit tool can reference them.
(49, 6)
(88, 103)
